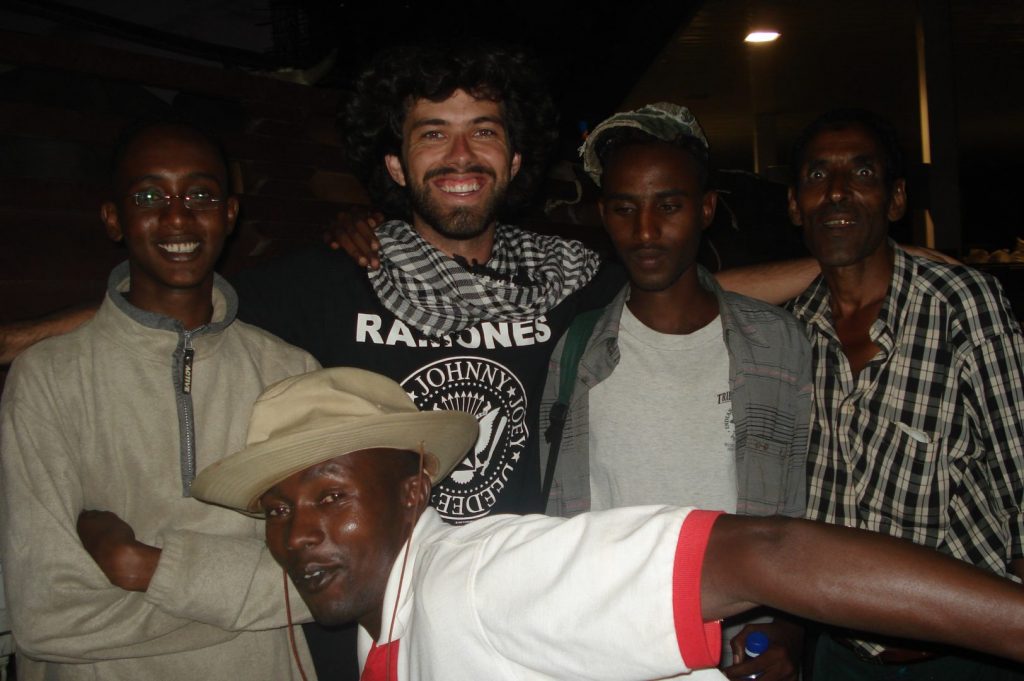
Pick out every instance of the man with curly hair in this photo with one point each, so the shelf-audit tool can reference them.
(465, 308)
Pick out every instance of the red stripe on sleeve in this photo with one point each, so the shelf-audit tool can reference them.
(700, 642)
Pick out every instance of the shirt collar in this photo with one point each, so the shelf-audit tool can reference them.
(901, 286)
(814, 305)
(428, 525)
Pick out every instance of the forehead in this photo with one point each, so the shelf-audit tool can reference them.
(332, 468)
(649, 162)
(169, 149)
(362, 468)
(843, 144)
(297, 483)
(460, 107)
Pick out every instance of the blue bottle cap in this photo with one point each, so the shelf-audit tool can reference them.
(757, 643)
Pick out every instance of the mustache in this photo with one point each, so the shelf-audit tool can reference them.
(438, 172)
(840, 208)
(647, 249)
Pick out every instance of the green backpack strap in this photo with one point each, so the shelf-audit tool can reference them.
(575, 341)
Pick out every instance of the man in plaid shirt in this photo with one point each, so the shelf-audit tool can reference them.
(918, 398)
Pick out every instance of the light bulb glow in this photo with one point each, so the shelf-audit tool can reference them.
(761, 36)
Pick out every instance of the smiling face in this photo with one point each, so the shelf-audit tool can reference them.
(655, 209)
(337, 527)
(173, 248)
(842, 198)
(456, 164)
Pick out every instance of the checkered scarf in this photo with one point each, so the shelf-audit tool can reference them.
(528, 274)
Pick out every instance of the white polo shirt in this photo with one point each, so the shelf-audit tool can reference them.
(611, 595)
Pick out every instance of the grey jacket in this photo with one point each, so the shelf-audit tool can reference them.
(93, 419)
(770, 379)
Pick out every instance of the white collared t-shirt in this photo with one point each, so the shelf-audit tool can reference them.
(606, 596)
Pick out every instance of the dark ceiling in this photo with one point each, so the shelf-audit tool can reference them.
(593, 51)
(604, 56)
(840, 53)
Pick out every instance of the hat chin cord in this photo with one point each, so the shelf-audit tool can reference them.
(291, 626)
(401, 578)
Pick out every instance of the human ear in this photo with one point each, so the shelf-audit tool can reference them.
(395, 169)
(707, 209)
(111, 221)
(517, 161)
(794, 210)
(416, 492)
(232, 205)
(897, 200)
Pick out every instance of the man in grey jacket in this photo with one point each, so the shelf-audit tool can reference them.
(685, 394)
(112, 570)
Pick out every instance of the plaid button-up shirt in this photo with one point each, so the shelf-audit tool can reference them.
(927, 442)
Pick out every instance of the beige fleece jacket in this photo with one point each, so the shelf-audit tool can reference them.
(89, 421)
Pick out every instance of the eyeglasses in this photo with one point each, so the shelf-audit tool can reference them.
(194, 199)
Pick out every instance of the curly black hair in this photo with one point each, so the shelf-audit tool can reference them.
(371, 119)
(840, 119)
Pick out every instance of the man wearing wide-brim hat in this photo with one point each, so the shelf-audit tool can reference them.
(340, 462)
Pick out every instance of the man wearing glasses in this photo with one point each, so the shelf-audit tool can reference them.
(113, 570)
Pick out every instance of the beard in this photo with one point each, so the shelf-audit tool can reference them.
(462, 222)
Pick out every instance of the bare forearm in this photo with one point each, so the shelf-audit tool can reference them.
(777, 282)
(772, 282)
(18, 336)
(862, 580)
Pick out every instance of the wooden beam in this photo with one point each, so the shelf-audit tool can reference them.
(937, 99)
(106, 62)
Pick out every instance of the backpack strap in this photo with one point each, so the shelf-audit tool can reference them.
(575, 341)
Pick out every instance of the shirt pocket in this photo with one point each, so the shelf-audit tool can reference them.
(904, 480)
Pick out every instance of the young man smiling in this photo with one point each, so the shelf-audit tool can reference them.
(685, 394)
(466, 307)
(112, 570)
(457, 163)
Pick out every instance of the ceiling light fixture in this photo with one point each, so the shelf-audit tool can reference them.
(761, 37)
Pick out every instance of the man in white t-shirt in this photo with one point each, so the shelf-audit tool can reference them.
(635, 593)
(685, 394)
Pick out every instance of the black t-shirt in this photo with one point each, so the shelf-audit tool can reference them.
(322, 301)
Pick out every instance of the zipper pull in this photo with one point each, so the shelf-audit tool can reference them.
(186, 366)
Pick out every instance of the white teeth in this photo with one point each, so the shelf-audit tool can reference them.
(187, 247)
(311, 575)
(838, 223)
(461, 188)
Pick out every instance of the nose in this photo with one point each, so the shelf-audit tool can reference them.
(648, 226)
(460, 151)
(838, 187)
(304, 530)
(176, 210)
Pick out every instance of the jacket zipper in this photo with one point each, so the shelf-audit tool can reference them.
(188, 453)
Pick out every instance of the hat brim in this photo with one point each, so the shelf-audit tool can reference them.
(239, 480)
